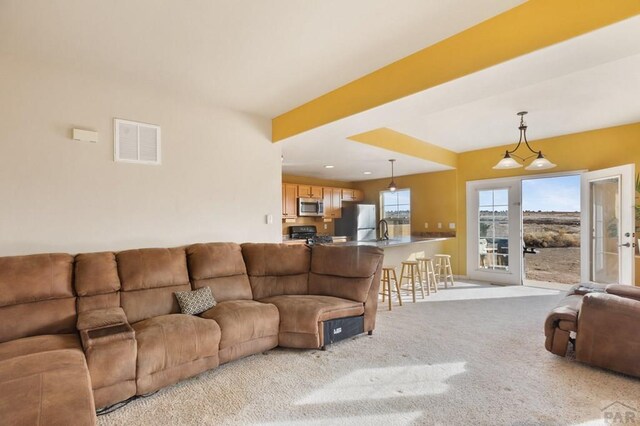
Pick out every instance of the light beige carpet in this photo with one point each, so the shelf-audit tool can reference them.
(472, 354)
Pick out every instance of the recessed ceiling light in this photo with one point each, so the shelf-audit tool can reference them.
(329, 166)
(366, 173)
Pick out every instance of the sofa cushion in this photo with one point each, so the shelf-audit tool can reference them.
(36, 296)
(149, 278)
(96, 281)
(36, 344)
(221, 267)
(171, 341)
(195, 302)
(46, 388)
(244, 320)
(277, 269)
(343, 272)
(34, 278)
(300, 317)
(96, 273)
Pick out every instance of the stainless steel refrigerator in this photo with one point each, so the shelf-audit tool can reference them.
(358, 222)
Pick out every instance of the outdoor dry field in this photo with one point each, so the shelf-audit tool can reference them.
(556, 238)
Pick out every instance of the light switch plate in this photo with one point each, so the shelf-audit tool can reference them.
(452, 225)
(439, 225)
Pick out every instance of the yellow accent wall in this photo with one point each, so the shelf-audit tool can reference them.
(526, 28)
(441, 196)
(592, 150)
(433, 200)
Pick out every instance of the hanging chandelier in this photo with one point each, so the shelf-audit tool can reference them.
(508, 161)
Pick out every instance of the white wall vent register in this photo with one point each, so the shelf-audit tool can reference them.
(136, 142)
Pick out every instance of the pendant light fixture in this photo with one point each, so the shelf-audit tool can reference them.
(392, 185)
(508, 162)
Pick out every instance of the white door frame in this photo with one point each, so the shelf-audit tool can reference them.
(626, 187)
(514, 275)
(473, 269)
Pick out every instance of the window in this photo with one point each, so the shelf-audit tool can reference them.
(494, 229)
(395, 208)
(136, 142)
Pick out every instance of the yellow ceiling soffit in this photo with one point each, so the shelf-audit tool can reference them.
(531, 26)
(405, 144)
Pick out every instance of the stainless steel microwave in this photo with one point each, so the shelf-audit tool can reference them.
(310, 207)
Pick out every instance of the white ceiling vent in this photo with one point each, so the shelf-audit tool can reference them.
(136, 142)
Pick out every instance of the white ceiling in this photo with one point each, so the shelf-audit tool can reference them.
(350, 161)
(260, 56)
(588, 82)
(268, 56)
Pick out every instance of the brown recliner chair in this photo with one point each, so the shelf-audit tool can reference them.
(603, 321)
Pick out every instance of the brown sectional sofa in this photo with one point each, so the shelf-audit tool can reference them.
(602, 321)
(92, 330)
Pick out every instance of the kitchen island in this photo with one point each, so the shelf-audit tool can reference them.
(397, 250)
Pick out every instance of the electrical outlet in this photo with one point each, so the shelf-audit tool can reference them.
(452, 225)
(439, 225)
(326, 226)
(426, 225)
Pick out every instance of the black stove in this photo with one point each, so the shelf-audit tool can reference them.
(310, 234)
(302, 232)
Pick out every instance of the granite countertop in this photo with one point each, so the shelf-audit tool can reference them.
(394, 242)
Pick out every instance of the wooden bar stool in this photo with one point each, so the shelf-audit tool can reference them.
(411, 271)
(444, 272)
(390, 280)
(427, 274)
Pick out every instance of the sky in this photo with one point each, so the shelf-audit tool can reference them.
(560, 194)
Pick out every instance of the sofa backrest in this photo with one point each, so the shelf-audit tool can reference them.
(344, 271)
(277, 269)
(148, 278)
(36, 296)
(219, 266)
(96, 281)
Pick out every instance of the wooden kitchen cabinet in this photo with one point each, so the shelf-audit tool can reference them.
(332, 200)
(352, 195)
(310, 191)
(289, 200)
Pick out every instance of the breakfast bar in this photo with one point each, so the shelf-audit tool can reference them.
(397, 250)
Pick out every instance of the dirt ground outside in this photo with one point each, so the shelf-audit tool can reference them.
(556, 238)
(561, 265)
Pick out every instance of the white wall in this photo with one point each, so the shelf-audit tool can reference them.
(220, 174)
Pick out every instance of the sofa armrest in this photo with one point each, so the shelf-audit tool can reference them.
(560, 322)
(608, 332)
(99, 318)
(626, 291)
(110, 347)
(101, 326)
